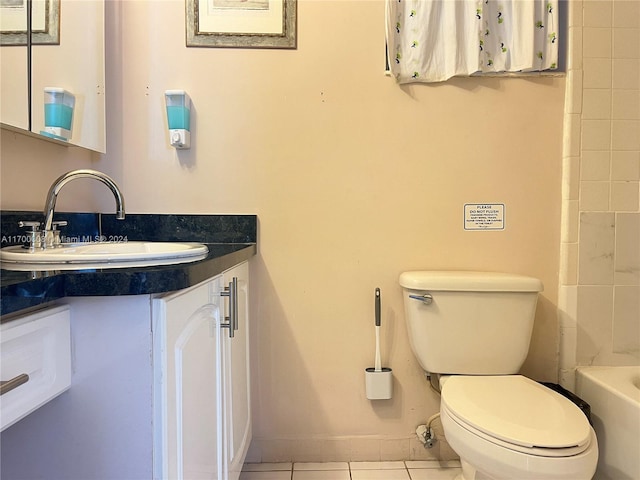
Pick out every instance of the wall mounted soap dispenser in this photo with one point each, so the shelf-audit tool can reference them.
(58, 113)
(179, 118)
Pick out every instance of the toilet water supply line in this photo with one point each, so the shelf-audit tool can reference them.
(425, 432)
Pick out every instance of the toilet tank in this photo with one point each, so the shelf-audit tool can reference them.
(476, 323)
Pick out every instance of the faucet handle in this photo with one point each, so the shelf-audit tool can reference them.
(56, 232)
(35, 235)
(32, 224)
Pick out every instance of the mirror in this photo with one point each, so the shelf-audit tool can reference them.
(66, 52)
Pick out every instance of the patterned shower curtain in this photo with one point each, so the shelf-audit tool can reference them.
(433, 40)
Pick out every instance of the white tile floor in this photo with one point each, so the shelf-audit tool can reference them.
(409, 470)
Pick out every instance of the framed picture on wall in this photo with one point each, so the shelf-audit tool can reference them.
(241, 23)
(45, 22)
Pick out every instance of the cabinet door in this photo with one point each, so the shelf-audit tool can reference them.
(188, 404)
(236, 376)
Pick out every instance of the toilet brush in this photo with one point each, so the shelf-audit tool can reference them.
(378, 380)
(378, 362)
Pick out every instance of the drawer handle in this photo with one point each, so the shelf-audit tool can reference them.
(7, 386)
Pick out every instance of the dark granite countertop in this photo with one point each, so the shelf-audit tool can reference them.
(231, 239)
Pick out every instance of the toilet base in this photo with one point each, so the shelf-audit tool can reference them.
(469, 472)
(478, 456)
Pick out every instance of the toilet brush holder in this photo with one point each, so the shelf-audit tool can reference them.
(379, 383)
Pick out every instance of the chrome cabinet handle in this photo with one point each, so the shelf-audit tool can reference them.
(427, 299)
(15, 382)
(233, 302)
(232, 320)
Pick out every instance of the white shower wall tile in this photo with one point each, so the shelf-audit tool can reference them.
(594, 196)
(571, 178)
(595, 165)
(604, 41)
(625, 135)
(572, 135)
(625, 166)
(625, 104)
(597, 13)
(597, 41)
(596, 135)
(626, 73)
(595, 314)
(568, 274)
(626, 14)
(626, 43)
(597, 73)
(567, 306)
(570, 219)
(573, 96)
(567, 313)
(627, 260)
(575, 13)
(574, 62)
(624, 196)
(596, 250)
(567, 378)
(596, 104)
(568, 346)
(626, 319)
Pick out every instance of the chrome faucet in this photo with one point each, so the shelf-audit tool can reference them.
(49, 234)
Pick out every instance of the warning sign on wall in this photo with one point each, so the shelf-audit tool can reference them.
(484, 216)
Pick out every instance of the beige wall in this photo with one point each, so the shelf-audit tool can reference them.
(28, 166)
(354, 180)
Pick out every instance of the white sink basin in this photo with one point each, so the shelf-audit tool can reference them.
(79, 256)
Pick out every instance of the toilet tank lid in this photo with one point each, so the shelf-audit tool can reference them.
(462, 281)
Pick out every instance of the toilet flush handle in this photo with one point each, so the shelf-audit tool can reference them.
(426, 298)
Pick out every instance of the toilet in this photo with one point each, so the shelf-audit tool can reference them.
(470, 331)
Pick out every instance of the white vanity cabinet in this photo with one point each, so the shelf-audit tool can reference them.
(158, 390)
(201, 371)
(35, 364)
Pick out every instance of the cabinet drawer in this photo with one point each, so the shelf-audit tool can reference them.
(36, 346)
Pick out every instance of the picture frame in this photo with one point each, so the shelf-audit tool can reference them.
(45, 23)
(241, 23)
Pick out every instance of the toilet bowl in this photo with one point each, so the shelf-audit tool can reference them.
(472, 330)
(510, 427)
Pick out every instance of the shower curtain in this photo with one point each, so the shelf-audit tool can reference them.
(433, 40)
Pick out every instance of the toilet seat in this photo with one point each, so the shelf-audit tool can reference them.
(517, 413)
